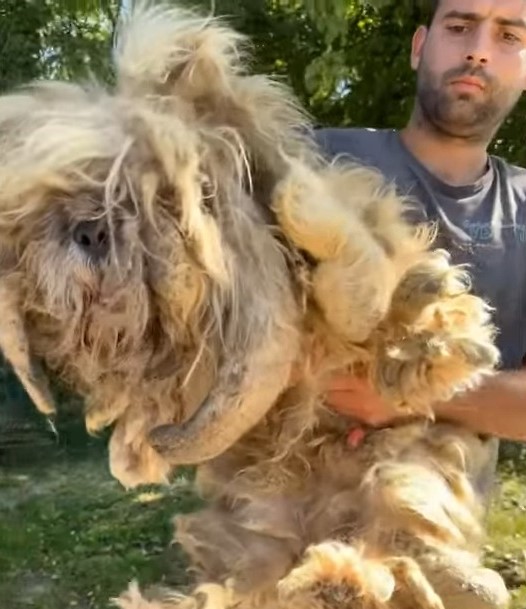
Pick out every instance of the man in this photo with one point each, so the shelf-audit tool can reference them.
(471, 71)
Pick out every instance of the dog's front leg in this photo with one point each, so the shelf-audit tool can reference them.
(354, 277)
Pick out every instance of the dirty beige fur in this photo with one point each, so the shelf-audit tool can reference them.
(178, 251)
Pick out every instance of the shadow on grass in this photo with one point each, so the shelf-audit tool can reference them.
(71, 536)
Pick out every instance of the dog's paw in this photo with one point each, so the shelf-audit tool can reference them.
(133, 598)
(460, 579)
(337, 574)
(427, 368)
(205, 596)
(429, 282)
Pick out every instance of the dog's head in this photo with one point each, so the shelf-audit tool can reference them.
(135, 253)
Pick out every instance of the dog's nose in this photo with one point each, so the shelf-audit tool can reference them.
(93, 237)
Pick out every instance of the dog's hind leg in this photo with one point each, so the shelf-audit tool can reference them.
(457, 576)
(426, 513)
(335, 574)
(237, 559)
(461, 581)
(254, 553)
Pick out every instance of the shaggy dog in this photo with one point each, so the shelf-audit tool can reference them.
(178, 251)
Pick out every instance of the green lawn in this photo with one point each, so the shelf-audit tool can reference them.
(506, 549)
(70, 536)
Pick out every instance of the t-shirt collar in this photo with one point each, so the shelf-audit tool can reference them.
(449, 190)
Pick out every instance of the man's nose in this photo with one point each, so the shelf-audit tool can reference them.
(479, 46)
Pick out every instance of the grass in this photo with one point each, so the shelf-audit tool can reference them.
(71, 537)
(506, 550)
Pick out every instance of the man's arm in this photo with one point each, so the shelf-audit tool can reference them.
(497, 407)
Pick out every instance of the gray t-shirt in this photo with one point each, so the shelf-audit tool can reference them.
(482, 225)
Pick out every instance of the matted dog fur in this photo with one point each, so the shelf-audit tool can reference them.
(179, 252)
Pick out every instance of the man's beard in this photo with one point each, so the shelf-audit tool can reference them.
(462, 115)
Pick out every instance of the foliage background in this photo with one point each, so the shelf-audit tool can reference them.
(347, 60)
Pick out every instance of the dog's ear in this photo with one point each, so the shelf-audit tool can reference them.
(199, 67)
(15, 347)
(167, 50)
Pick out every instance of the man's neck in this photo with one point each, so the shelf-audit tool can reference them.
(454, 161)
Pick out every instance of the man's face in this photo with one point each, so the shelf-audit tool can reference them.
(471, 65)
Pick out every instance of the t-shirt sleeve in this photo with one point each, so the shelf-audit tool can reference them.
(364, 146)
(323, 140)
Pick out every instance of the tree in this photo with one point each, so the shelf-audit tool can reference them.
(20, 40)
(347, 60)
(48, 39)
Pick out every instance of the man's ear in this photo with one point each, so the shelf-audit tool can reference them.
(419, 38)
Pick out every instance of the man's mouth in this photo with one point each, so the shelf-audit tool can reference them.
(468, 83)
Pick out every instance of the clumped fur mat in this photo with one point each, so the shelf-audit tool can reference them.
(178, 251)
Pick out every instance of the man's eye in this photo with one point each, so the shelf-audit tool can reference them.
(511, 38)
(457, 29)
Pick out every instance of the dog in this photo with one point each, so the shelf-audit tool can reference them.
(179, 252)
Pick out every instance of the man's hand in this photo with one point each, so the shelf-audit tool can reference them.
(354, 397)
(495, 408)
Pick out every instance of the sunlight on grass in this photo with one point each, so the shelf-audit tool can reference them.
(150, 497)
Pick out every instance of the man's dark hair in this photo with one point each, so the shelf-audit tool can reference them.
(423, 11)
(432, 6)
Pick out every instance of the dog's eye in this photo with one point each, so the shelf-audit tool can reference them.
(92, 237)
